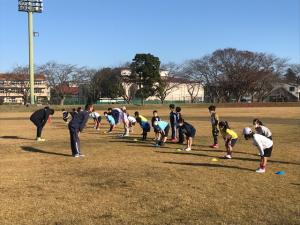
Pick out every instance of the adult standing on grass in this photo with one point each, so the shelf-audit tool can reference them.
(76, 125)
(39, 118)
(264, 145)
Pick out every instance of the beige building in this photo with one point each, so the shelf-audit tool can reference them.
(180, 89)
(15, 88)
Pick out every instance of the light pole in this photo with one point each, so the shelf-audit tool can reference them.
(31, 6)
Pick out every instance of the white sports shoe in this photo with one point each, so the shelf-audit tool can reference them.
(76, 156)
(188, 149)
(227, 157)
(260, 170)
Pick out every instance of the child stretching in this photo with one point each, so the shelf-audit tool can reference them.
(65, 115)
(261, 129)
(189, 131)
(214, 119)
(230, 137)
(154, 119)
(264, 145)
(132, 122)
(162, 128)
(143, 123)
(111, 122)
(97, 119)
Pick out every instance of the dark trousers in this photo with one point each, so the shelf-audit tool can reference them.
(115, 114)
(215, 134)
(174, 130)
(75, 142)
(111, 128)
(144, 135)
(39, 129)
(180, 136)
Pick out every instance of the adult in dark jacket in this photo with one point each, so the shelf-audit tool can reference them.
(76, 125)
(39, 118)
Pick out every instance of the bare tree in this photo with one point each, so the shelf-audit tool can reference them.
(59, 77)
(169, 80)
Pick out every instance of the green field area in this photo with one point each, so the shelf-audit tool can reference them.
(121, 181)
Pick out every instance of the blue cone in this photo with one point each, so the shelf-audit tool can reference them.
(280, 173)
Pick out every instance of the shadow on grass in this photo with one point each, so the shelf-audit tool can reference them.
(209, 165)
(185, 153)
(16, 137)
(32, 149)
(234, 158)
(222, 150)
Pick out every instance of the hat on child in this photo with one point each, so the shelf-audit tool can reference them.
(247, 131)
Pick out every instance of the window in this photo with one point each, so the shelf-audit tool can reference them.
(38, 90)
(38, 82)
(292, 89)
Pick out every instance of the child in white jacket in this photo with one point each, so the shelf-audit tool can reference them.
(264, 145)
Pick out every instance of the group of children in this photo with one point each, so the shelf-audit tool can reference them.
(261, 135)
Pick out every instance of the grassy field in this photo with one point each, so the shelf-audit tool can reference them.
(125, 182)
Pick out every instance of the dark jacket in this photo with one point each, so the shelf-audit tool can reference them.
(79, 119)
(40, 117)
(173, 118)
(187, 129)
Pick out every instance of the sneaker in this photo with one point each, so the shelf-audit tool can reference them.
(227, 157)
(174, 140)
(76, 156)
(214, 146)
(260, 170)
(126, 135)
(40, 139)
(187, 149)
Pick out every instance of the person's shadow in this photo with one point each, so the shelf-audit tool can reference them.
(16, 137)
(33, 149)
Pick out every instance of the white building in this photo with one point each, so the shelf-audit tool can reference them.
(181, 89)
(14, 88)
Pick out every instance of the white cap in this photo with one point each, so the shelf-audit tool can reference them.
(247, 131)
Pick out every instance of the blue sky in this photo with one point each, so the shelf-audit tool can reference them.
(110, 32)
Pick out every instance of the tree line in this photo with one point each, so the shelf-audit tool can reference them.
(226, 75)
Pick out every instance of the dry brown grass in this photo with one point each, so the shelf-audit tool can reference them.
(126, 182)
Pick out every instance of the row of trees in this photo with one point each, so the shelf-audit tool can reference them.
(226, 75)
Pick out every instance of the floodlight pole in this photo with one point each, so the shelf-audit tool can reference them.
(31, 57)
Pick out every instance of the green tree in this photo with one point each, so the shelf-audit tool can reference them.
(106, 83)
(145, 73)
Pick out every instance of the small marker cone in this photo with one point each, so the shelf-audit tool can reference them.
(280, 173)
(214, 160)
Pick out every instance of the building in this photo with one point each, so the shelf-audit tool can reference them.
(284, 93)
(15, 88)
(180, 89)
